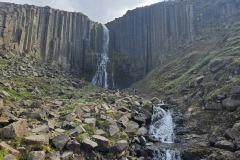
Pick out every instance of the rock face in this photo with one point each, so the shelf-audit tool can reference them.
(147, 36)
(64, 39)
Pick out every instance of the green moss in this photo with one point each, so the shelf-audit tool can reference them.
(80, 137)
(114, 115)
(3, 152)
(90, 129)
(101, 124)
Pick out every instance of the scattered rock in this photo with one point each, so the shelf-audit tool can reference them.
(132, 127)
(90, 121)
(230, 104)
(67, 155)
(142, 131)
(42, 129)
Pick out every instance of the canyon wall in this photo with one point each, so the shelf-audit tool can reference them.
(148, 36)
(65, 39)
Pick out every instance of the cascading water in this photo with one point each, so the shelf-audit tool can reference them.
(162, 130)
(100, 78)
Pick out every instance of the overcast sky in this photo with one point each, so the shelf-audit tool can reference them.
(98, 10)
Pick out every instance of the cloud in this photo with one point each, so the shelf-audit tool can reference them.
(98, 10)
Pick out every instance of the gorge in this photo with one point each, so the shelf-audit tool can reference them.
(184, 53)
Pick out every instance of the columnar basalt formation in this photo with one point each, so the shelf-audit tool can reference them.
(64, 39)
(148, 36)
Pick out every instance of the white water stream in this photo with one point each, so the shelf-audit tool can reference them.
(162, 130)
(101, 76)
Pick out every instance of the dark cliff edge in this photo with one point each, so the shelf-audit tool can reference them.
(146, 37)
(64, 39)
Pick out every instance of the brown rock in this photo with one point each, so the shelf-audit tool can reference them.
(16, 129)
(36, 155)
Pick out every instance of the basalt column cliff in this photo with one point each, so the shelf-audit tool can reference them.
(148, 36)
(64, 39)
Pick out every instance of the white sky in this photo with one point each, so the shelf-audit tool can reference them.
(98, 10)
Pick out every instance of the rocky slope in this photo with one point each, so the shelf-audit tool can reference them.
(64, 39)
(203, 81)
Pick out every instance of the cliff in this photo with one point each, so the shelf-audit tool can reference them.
(63, 39)
(148, 36)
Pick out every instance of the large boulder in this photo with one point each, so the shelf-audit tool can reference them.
(16, 129)
(60, 141)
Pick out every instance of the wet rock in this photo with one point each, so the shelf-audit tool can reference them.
(113, 129)
(9, 157)
(9, 148)
(38, 139)
(16, 129)
(224, 144)
(223, 155)
(101, 141)
(119, 147)
(60, 141)
(142, 131)
(36, 155)
(230, 104)
(88, 145)
(155, 100)
(140, 118)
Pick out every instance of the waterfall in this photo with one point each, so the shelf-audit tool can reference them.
(100, 78)
(162, 130)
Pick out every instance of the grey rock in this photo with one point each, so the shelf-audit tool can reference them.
(102, 142)
(224, 144)
(230, 104)
(232, 133)
(132, 127)
(88, 145)
(38, 139)
(9, 157)
(60, 141)
(53, 155)
(119, 147)
(73, 146)
(113, 129)
(41, 129)
(67, 155)
(235, 90)
(142, 131)
(36, 155)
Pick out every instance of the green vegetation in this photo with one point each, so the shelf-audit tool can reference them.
(90, 129)
(3, 152)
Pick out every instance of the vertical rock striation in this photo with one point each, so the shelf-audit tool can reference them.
(64, 39)
(147, 36)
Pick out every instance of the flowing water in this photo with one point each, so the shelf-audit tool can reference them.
(101, 77)
(162, 130)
